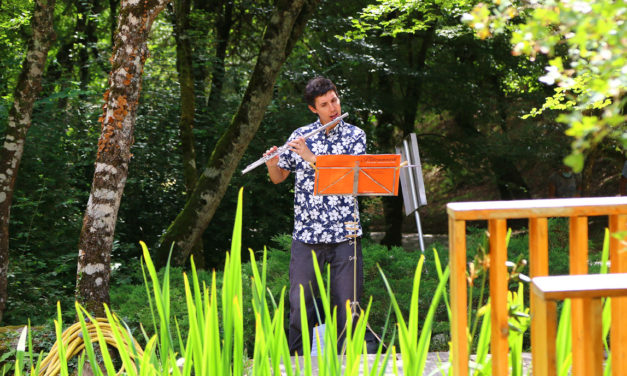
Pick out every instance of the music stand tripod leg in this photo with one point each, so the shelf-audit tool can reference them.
(419, 227)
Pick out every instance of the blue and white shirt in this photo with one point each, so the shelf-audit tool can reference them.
(320, 219)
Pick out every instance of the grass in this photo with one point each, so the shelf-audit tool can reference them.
(213, 342)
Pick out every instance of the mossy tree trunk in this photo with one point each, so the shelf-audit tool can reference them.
(186, 82)
(184, 59)
(19, 121)
(283, 31)
(130, 51)
(223, 31)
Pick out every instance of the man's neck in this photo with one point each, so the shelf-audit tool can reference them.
(328, 130)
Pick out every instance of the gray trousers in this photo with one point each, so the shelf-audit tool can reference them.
(340, 258)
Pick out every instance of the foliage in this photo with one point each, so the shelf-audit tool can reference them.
(218, 326)
(128, 300)
(586, 40)
(463, 78)
(213, 343)
(14, 30)
(397, 264)
(394, 17)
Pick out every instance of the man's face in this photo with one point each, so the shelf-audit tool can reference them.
(327, 107)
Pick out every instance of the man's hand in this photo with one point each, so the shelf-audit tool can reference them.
(299, 146)
(272, 162)
(277, 174)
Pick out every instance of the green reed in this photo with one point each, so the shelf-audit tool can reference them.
(214, 343)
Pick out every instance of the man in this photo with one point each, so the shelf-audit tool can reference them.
(319, 221)
(564, 183)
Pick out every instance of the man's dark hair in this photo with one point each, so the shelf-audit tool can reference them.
(316, 87)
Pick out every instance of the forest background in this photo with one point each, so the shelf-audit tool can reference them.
(465, 97)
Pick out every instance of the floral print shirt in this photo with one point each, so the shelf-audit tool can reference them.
(320, 219)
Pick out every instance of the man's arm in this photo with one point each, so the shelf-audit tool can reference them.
(277, 174)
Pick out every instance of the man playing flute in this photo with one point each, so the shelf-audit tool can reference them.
(319, 221)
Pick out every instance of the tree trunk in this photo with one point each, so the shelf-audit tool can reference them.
(86, 39)
(509, 181)
(186, 82)
(223, 30)
(184, 65)
(283, 31)
(411, 90)
(19, 121)
(118, 120)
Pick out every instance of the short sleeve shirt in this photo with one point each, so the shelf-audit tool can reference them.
(321, 219)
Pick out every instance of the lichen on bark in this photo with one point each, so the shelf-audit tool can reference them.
(118, 120)
(19, 121)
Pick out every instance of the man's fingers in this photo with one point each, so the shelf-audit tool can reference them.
(271, 150)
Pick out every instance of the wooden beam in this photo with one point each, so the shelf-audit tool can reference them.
(578, 240)
(589, 286)
(499, 346)
(459, 317)
(618, 259)
(561, 207)
(539, 266)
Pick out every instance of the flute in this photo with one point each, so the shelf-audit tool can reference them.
(285, 147)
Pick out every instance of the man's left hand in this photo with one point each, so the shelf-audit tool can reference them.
(299, 146)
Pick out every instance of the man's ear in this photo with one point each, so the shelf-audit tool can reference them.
(312, 109)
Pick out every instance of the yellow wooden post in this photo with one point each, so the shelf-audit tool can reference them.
(539, 266)
(457, 262)
(499, 345)
(587, 289)
(592, 352)
(618, 332)
(578, 265)
(543, 351)
(497, 212)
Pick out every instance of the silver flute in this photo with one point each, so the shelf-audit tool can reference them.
(285, 147)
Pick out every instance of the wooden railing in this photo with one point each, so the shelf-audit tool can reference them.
(537, 211)
(589, 289)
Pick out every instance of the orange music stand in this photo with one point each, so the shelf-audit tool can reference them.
(357, 175)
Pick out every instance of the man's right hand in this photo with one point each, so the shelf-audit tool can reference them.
(277, 174)
(272, 162)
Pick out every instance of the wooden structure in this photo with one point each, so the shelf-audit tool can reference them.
(588, 289)
(537, 211)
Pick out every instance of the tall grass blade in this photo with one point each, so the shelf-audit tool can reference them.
(410, 357)
(483, 344)
(563, 345)
(427, 326)
(332, 364)
(197, 296)
(62, 349)
(124, 343)
(104, 350)
(438, 268)
(89, 347)
(162, 303)
(305, 333)
(21, 351)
